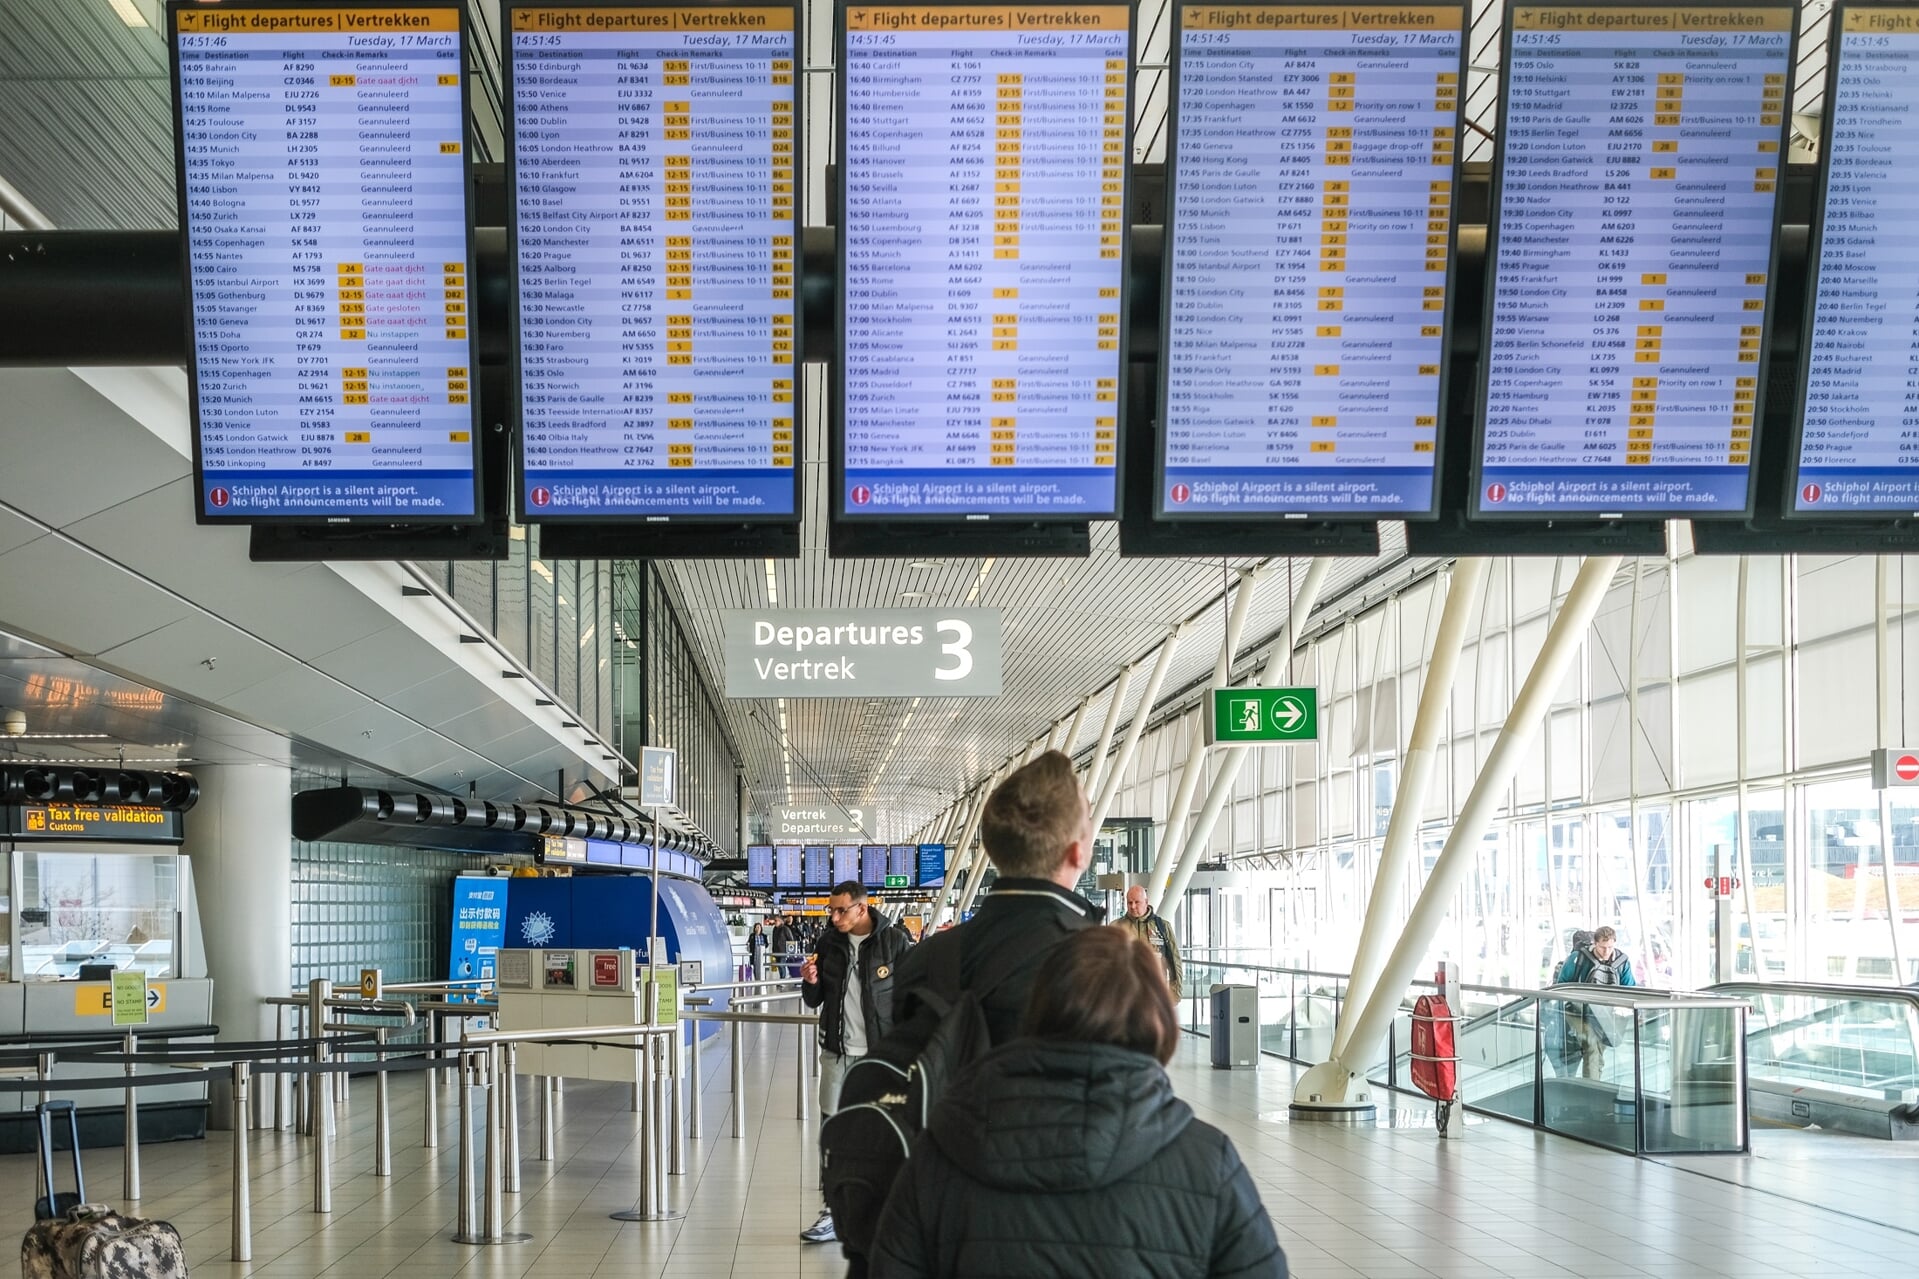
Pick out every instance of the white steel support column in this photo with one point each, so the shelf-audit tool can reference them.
(977, 879)
(959, 856)
(1096, 770)
(1072, 732)
(1234, 757)
(1167, 854)
(1338, 1088)
(1741, 714)
(1882, 682)
(1129, 745)
(241, 845)
(1388, 903)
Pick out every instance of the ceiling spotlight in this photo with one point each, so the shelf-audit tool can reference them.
(14, 723)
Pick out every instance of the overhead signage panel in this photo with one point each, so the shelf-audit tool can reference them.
(984, 156)
(656, 239)
(1632, 256)
(1310, 233)
(323, 190)
(1858, 451)
(117, 823)
(814, 822)
(932, 865)
(659, 787)
(870, 653)
(1252, 715)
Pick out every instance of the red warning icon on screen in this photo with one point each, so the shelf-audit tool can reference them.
(541, 496)
(219, 497)
(1810, 493)
(861, 495)
(1495, 493)
(1182, 492)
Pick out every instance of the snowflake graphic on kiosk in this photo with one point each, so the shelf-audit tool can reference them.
(537, 928)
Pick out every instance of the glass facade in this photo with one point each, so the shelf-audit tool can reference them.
(1718, 723)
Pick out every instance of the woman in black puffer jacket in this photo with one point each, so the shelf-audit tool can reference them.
(1064, 1153)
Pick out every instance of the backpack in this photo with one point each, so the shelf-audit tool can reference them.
(884, 1106)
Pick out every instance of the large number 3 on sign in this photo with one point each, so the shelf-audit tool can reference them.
(962, 633)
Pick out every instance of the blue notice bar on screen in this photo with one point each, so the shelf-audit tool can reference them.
(1857, 488)
(767, 491)
(1321, 490)
(338, 493)
(1602, 490)
(980, 491)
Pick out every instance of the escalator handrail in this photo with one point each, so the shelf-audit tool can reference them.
(1634, 996)
(1831, 990)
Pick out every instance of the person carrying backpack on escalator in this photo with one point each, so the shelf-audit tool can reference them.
(962, 990)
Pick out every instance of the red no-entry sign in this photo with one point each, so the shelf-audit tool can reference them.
(1898, 766)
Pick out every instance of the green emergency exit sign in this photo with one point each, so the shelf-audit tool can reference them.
(898, 881)
(1250, 715)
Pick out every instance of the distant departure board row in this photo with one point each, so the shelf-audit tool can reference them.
(1631, 257)
(1314, 154)
(984, 162)
(654, 173)
(816, 866)
(323, 195)
(1859, 437)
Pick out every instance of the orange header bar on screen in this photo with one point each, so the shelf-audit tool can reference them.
(241, 20)
(591, 19)
(1677, 18)
(1323, 17)
(1008, 17)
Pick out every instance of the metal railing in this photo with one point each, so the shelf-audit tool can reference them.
(1541, 1058)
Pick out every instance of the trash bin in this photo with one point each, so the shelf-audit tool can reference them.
(1235, 1028)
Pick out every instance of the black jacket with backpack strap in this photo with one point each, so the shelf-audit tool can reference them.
(1069, 1160)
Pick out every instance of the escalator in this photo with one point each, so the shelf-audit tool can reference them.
(1833, 1057)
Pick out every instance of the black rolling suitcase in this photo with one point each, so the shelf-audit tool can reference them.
(73, 1239)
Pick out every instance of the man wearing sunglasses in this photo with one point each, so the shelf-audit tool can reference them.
(851, 982)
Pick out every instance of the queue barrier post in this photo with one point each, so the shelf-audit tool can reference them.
(382, 1127)
(430, 1138)
(739, 1083)
(693, 1083)
(674, 1099)
(130, 1171)
(510, 1116)
(242, 1174)
(544, 1087)
(464, 1223)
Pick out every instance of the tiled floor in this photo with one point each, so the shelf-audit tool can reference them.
(1390, 1202)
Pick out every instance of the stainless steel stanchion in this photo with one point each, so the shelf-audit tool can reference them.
(510, 1115)
(321, 1126)
(130, 1177)
(652, 1203)
(464, 1231)
(319, 990)
(382, 1127)
(242, 1173)
(302, 1097)
(693, 1082)
(799, 1075)
(492, 1226)
(430, 1138)
(547, 1135)
(676, 1164)
(739, 1083)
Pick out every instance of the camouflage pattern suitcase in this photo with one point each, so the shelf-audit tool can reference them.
(73, 1239)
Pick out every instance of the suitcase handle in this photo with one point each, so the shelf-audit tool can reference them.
(54, 1205)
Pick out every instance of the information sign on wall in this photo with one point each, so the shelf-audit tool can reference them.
(323, 196)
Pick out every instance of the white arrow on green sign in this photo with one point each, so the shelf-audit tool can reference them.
(1253, 715)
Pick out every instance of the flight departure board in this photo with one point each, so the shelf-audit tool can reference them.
(819, 867)
(759, 866)
(984, 158)
(786, 866)
(873, 865)
(902, 861)
(1633, 245)
(1859, 427)
(656, 236)
(846, 863)
(324, 197)
(1310, 233)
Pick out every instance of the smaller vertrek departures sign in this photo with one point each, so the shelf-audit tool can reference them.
(888, 652)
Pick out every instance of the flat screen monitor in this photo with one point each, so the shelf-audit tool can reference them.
(603, 852)
(846, 863)
(1313, 169)
(655, 234)
(873, 865)
(325, 199)
(983, 261)
(819, 866)
(932, 865)
(1857, 452)
(787, 868)
(759, 866)
(1633, 246)
(902, 862)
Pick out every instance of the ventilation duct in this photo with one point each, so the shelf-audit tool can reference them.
(410, 819)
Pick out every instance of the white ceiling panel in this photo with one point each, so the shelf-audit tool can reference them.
(51, 589)
(200, 657)
(71, 453)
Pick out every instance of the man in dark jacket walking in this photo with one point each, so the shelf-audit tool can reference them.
(1038, 833)
(851, 982)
